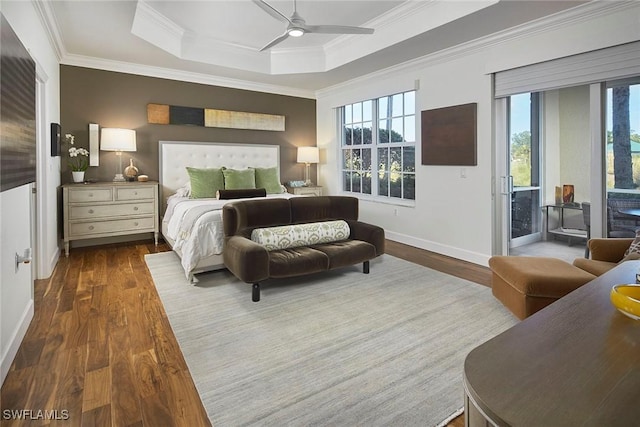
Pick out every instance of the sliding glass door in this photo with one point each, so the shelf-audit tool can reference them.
(623, 158)
(523, 180)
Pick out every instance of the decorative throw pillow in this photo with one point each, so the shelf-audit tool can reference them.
(268, 179)
(245, 193)
(205, 182)
(292, 236)
(235, 179)
(634, 247)
(184, 191)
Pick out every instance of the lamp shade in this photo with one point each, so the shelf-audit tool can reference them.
(308, 155)
(115, 139)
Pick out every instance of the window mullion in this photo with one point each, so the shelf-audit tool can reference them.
(358, 118)
(375, 135)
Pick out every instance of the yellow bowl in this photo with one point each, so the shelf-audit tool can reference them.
(626, 298)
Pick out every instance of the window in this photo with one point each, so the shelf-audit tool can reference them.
(524, 165)
(623, 136)
(379, 160)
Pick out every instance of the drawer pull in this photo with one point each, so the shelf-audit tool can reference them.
(135, 208)
(91, 227)
(135, 193)
(135, 223)
(90, 194)
(90, 210)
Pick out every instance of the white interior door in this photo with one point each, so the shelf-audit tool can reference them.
(16, 279)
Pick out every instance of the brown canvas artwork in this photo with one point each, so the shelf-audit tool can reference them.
(449, 136)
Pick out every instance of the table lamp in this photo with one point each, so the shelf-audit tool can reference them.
(308, 155)
(118, 140)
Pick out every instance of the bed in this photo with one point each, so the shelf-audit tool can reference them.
(193, 227)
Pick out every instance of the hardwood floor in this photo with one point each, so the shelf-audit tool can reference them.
(100, 351)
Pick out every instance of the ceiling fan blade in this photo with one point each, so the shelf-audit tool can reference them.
(337, 29)
(275, 41)
(272, 11)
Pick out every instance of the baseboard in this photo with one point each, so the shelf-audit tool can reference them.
(16, 340)
(83, 243)
(474, 257)
(53, 261)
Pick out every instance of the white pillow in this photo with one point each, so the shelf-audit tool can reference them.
(184, 191)
(292, 236)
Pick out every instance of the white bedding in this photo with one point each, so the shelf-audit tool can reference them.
(195, 226)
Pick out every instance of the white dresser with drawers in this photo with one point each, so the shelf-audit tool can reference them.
(107, 209)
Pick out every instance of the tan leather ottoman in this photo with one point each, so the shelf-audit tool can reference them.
(528, 284)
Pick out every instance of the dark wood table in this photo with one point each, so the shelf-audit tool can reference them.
(576, 362)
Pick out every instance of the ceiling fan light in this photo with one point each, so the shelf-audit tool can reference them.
(296, 32)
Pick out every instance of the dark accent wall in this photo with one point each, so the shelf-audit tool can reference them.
(120, 100)
(17, 111)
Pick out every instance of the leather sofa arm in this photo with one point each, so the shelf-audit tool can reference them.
(610, 250)
(246, 259)
(368, 233)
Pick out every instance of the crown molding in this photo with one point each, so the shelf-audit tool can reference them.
(397, 14)
(157, 29)
(581, 13)
(404, 21)
(186, 76)
(50, 24)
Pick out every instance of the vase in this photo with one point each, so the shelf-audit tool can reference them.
(78, 176)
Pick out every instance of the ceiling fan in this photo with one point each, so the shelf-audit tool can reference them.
(297, 27)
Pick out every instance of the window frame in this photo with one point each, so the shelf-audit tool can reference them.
(374, 147)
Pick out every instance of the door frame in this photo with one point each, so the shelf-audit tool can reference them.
(501, 205)
(597, 106)
(38, 239)
(503, 182)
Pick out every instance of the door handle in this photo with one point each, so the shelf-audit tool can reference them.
(26, 258)
(506, 184)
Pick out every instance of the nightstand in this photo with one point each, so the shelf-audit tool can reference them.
(305, 191)
(107, 209)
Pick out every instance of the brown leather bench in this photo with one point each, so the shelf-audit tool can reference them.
(526, 285)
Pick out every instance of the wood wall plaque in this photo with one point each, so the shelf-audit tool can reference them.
(449, 136)
(207, 117)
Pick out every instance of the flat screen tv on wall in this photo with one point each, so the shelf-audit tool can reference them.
(17, 111)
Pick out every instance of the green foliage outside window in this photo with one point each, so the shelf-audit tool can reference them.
(394, 170)
(521, 158)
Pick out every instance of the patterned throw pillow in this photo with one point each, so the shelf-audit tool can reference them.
(236, 179)
(205, 182)
(268, 179)
(293, 236)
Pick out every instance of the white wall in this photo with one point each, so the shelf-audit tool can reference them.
(24, 19)
(575, 141)
(16, 291)
(567, 144)
(453, 215)
(551, 159)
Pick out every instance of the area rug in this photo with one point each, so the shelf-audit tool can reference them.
(339, 348)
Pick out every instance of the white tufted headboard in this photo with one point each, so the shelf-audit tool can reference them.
(175, 156)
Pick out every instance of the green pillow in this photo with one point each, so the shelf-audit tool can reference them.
(237, 179)
(205, 182)
(268, 179)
